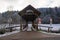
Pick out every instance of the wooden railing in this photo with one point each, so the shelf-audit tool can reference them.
(49, 28)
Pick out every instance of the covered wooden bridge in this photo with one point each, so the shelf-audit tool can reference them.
(29, 14)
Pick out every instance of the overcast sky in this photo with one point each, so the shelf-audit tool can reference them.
(20, 4)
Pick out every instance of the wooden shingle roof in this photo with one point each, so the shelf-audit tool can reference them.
(29, 16)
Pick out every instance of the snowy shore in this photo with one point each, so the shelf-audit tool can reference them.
(55, 26)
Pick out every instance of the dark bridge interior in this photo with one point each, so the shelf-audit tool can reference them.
(29, 14)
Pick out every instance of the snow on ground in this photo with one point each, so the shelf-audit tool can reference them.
(55, 27)
(8, 33)
(49, 33)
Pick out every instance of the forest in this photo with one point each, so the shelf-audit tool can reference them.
(46, 14)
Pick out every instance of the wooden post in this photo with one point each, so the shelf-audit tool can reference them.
(48, 29)
(11, 29)
(33, 25)
(20, 27)
(39, 22)
(37, 27)
(26, 25)
(50, 21)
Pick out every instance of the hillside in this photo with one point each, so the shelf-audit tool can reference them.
(46, 13)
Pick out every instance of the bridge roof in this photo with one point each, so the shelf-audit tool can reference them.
(29, 13)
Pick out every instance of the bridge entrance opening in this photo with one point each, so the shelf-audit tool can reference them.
(29, 15)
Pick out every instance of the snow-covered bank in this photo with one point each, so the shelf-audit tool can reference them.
(57, 34)
(8, 33)
(56, 27)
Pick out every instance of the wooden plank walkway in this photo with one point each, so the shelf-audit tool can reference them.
(30, 36)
